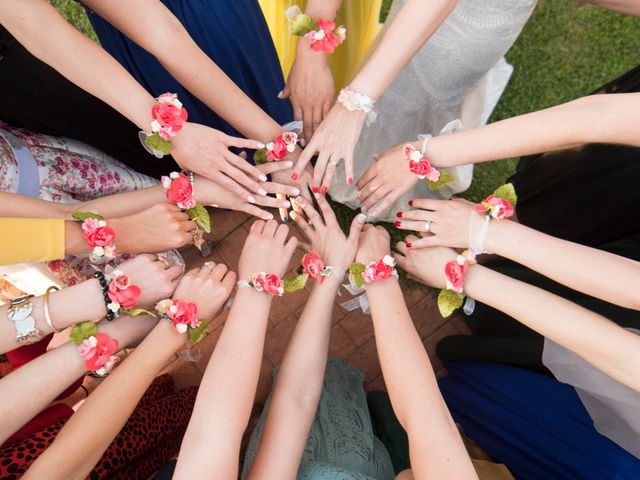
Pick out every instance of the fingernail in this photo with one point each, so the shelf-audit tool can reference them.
(411, 203)
(397, 224)
(270, 216)
(302, 142)
(361, 218)
(296, 192)
(294, 176)
(316, 195)
(251, 199)
(314, 189)
(300, 199)
(399, 214)
(285, 219)
(260, 145)
(408, 244)
(286, 204)
(350, 181)
(262, 192)
(289, 164)
(324, 190)
(263, 178)
(280, 94)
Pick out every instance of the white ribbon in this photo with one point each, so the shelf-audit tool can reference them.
(478, 228)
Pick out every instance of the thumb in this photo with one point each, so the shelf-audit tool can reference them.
(285, 92)
(356, 227)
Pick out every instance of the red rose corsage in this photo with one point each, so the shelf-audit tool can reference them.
(96, 348)
(183, 316)
(323, 35)
(168, 118)
(99, 236)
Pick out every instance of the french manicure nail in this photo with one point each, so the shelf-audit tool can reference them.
(361, 218)
(300, 199)
(263, 178)
(302, 142)
(411, 203)
(296, 192)
(324, 189)
(251, 199)
(350, 181)
(408, 244)
(397, 224)
(260, 145)
(289, 164)
(279, 94)
(270, 216)
(399, 214)
(286, 204)
(294, 176)
(316, 195)
(262, 192)
(314, 189)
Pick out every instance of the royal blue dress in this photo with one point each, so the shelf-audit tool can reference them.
(532, 423)
(233, 33)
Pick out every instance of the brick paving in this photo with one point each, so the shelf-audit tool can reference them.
(351, 334)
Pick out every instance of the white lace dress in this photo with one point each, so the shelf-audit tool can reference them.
(459, 74)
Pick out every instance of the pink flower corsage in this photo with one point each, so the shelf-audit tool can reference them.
(313, 266)
(323, 36)
(97, 348)
(168, 118)
(264, 282)
(420, 165)
(122, 293)
(98, 235)
(452, 297)
(179, 190)
(183, 315)
(495, 207)
(383, 269)
(278, 149)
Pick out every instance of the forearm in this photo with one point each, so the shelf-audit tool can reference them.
(587, 270)
(67, 306)
(107, 409)
(123, 204)
(39, 27)
(298, 387)
(435, 445)
(594, 119)
(599, 341)
(152, 26)
(404, 37)
(228, 387)
(630, 7)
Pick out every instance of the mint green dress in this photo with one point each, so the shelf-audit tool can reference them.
(341, 444)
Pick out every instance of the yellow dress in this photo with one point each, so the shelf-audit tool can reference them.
(31, 240)
(360, 17)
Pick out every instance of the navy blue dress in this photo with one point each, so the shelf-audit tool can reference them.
(532, 423)
(233, 33)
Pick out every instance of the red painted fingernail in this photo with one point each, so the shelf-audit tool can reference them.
(399, 214)
(314, 189)
(408, 244)
(324, 190)
(397, 224)
(411, 203)
(294, 176)
(350, 181)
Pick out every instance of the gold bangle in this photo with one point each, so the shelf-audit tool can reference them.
(47, 316)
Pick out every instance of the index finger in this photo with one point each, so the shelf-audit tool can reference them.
(305, 157)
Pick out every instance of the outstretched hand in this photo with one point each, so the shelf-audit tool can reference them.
(425, 265)
(266, 250)
(374, 244)
(325, 235)
(154, 279)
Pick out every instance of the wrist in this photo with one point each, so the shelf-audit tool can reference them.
(304, 53)
(495, 235)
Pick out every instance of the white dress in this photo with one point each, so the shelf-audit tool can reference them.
(455, 81)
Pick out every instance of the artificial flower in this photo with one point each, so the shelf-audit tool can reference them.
(313, 266)
(496, 207)
(97, 350)
(324, 39)
(97, 233)
(168, 116)
(122, 292)
(419, 164)
(179, 190)
(380, 270)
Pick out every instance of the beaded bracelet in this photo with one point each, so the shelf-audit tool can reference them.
(104, 285)
(120, 295)
(169, 116)
(323, 36)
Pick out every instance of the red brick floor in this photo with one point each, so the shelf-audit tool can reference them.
(351, 334)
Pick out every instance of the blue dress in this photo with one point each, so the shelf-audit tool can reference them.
(233, 33)
(532, 423)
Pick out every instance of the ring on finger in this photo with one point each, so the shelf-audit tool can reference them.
(164, 261)
(209, 265)
(427, 226)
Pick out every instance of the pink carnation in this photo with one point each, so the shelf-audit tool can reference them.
(455, 275)
(170, 115)
(97, 350)
(324, 39)
(313, 265)
(96, 233)
(380, 270)
(180, 191)
(186, 313)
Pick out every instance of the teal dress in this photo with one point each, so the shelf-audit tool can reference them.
(341, 444)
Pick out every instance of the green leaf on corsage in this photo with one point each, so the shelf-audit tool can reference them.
(293, 284)
(355, 273)
(449, 301)
(200, 215)
(445, 177)
(81, 331)
(197, 334)
(156, 142)
(260, 156)
(82, 216)
(507, 192)
(135, 312)
(302, 25)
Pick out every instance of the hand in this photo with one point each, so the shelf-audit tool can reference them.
(155, 282)
(310, 86)
(210, 193)
(425, 265)
(206, 151)
(208, 287)
(385, 181)
(266, 250)
(325, 235)
(302, 181)
(374, 244)
(449, 222)
(159, 228)
(334, 140)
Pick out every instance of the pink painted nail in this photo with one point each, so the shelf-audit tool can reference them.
(408, 244)
(294, 176)
(411, 203)
(314, 189)
(324, 190)
(399, 214)
(350, 181)
(397, 224)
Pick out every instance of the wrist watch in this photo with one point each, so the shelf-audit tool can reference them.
(20, 314)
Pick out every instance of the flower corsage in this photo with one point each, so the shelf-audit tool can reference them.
(183, 317)
(169, 116)
(180, 190)
(99, 236)
(499, 205)
(420, 165)
(264, 282)
(323, 36)
(312, 267)
(452, 297)
(361, 274)
(277, 150)
(96, 348)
